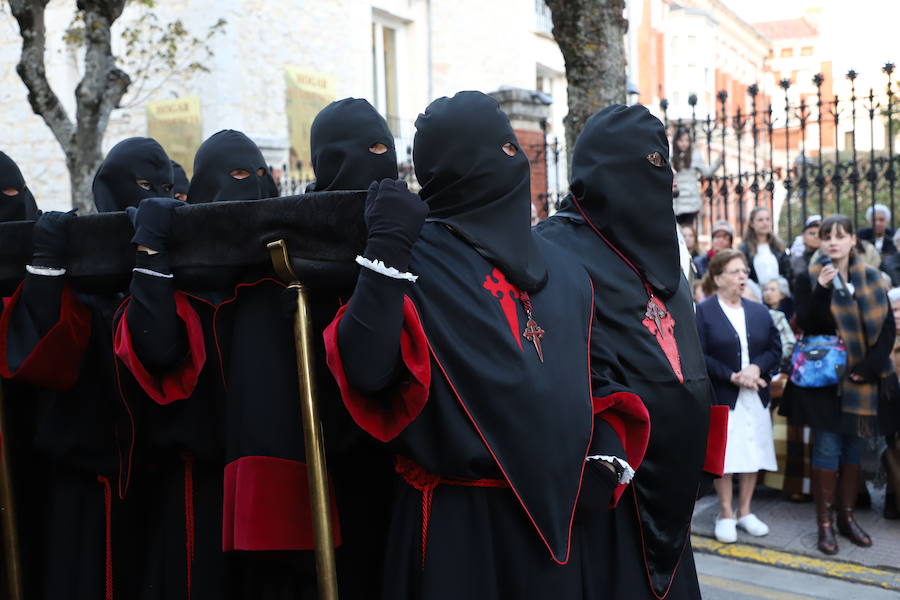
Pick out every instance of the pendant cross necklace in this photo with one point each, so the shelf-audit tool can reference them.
(533, 332)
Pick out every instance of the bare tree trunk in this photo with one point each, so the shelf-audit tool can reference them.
(591, 36)
(98, 93)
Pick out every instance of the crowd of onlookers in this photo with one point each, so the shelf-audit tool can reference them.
(806, 334)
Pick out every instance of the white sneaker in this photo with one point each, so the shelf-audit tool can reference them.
(752, 525)
(726, 530)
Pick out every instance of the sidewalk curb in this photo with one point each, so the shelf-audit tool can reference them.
(837, 569)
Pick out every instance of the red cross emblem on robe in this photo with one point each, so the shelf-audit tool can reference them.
(497, 285)
(661, 325)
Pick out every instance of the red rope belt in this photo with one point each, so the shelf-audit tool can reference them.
(107, 518)
(425, 482)
(188, 462)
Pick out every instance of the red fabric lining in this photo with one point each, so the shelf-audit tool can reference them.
(386, 420)
(425, 482)
(177, 384)
(267, 506)
(716, 440)
(627, 415)
(55, 361)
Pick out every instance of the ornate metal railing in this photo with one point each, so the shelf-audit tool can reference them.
(782, 159)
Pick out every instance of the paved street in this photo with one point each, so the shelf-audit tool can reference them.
(793, 530)
(729, 579)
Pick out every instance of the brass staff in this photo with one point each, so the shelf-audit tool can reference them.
(312, 427)
(11, 561)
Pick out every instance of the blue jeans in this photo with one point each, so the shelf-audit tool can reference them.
(833, 449)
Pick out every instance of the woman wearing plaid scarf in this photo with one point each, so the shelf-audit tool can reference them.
(841, 296)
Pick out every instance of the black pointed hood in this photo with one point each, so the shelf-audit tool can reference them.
(21, 205)
(340, 138)
(182, 183)
(474, 187)
(625, 195)
(222, 153)
(116, 186)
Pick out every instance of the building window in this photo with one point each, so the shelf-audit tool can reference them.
(806, 51)
(384, 72)
(544, 18)
(787, 52)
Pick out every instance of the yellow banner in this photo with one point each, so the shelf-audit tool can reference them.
(308, 92)
(177, 126)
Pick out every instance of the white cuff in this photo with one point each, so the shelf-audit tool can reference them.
(379, 267)
(153, 273)
(627, 471)
(46, 271)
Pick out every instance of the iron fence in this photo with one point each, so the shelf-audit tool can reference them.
(818, 155)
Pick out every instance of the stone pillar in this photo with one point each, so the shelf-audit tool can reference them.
(528, 112)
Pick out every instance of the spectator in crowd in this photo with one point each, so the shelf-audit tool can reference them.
(841, 296)
(689, 232)
(891, 264)
(753, 293)
(777, 295)
(697, 292)
(742, 348)
(764, 250)
(722, 237)
(689, 168)
(805, 244)
(792, 476)
(891, 457)
(878, 232)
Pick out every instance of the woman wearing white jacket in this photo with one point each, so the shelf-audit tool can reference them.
(689, 168)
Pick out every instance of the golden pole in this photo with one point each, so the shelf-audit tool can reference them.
(8, 509)
(312, 426)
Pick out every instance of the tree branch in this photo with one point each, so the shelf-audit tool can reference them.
(31, 69)
(103, 84)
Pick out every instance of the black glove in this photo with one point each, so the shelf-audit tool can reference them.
(49, 239)
(394, 217)
(152, 221)
(597, 487)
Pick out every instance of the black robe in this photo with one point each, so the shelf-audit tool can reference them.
(268, 524)
(650, 531)
(85, 433)
(491, 442)
(169, 370)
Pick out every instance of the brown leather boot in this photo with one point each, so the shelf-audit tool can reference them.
(824, 482)
(846, 523)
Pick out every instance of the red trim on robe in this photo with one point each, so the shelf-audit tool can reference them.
(627, 415)
(267, 506)
(384, 419)
(55, 361)
(716, 440)
(178, 383)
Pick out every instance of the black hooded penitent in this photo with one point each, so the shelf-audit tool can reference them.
(621, 227)
(116, 182)
(182, 183)
(627, 193)
(468, 183)
(19, 206)
(340, 138)
(217, 157)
